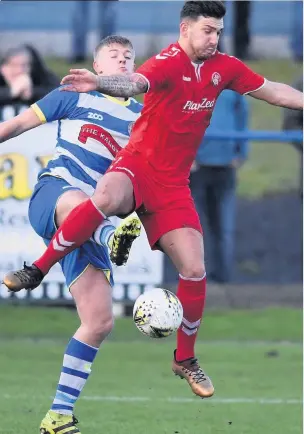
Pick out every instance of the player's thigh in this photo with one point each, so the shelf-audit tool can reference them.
(48, 193)
(92, 293)
(185, 247)
(177, 231)
(114, 194)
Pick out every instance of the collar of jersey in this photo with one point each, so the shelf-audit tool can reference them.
(117, 101)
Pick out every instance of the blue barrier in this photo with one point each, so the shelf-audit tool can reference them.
(269, 136)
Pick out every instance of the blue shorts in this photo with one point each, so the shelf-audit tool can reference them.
(42, 209)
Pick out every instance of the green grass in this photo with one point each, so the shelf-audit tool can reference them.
(272, 167)
(240, 350)
(272, 324)
(142, 370)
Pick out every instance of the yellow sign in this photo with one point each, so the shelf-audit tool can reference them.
(14, 175)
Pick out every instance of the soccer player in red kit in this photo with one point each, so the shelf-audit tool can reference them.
(151, 174)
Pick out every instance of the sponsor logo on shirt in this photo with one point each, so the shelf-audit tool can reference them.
(205, 104)
(91, 131)
(97, 116)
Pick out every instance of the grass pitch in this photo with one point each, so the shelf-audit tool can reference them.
(253, 357)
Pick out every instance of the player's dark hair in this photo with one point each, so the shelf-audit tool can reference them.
(196, 9)
(113, 39)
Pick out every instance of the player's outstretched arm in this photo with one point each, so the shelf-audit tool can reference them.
(83, 80)
(279, 94)
(19, 124)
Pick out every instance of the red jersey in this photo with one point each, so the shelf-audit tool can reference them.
(178, 108)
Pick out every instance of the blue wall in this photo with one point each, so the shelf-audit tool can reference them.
(268, 17)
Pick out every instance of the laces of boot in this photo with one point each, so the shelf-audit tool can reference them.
(23, 275)
(75, 420)
(198, 375)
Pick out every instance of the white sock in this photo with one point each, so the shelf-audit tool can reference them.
(103, 233)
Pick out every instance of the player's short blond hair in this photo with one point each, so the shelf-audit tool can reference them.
(113, 39)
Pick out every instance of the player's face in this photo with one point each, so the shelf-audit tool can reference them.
(202, 36)
(114, 59)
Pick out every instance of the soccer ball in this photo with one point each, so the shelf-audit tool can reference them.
(157, 313)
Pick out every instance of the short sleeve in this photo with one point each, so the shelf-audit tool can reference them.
(244, 79)
(56, 105)
(158, 71)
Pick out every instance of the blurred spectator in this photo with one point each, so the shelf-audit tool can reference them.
(24, 78)
(213, 184)
(241, 33)
(293, 120)
(80, 26)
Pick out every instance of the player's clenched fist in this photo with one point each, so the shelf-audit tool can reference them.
(80, 80)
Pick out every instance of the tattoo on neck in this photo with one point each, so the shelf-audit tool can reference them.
(123, 86)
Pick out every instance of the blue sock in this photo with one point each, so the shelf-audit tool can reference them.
(103, 233)
(76, 369)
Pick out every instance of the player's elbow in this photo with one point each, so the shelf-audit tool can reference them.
(271, 92)
(2, 135)
(276, 100)
(280, 95)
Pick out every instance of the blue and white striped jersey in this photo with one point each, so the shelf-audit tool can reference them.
(92, 128)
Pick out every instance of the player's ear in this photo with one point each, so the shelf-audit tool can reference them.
(183, 28)
(95, 67)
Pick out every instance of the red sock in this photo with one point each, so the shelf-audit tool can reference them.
(77, 228)
(192, 295)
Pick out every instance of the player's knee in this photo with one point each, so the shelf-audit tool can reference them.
(105, 327)
(104, 201)
(101, 328)
(194, 270)
(114, 194)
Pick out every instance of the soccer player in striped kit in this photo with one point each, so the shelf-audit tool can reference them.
(92, 128)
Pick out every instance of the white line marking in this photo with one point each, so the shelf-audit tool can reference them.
(262, 401)
(176, 400)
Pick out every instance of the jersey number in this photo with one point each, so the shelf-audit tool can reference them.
(174, 52)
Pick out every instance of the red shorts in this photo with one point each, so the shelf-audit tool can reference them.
(161, 208)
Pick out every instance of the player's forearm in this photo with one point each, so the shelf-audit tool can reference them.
(122, 86)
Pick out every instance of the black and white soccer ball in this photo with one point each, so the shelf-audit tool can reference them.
(157, 313)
